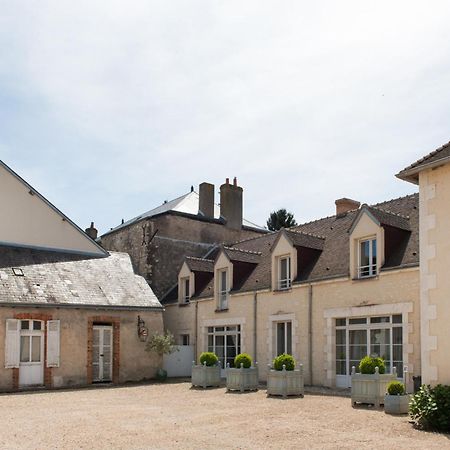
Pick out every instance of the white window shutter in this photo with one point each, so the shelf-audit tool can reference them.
(12, 343)
(53, 346)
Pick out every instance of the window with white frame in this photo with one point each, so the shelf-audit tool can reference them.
(225, 342)
(184, 339)
(284, 272)
(367, 260)
(185, 290)
(223, 289)
(380, 336)
(283, 337)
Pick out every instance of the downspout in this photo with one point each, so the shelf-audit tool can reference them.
(255, 323)
(310, 347)
(196, 331)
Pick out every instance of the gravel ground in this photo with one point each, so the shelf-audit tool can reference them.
(173, 415)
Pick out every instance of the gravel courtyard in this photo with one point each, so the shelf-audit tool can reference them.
(175, 416)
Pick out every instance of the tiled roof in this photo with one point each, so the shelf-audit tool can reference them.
(410, 173)
(53, 278)
(329, 238)
(239, 254)
(200, 264)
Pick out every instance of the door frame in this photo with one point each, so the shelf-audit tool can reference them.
(115, 323)
(24, 365)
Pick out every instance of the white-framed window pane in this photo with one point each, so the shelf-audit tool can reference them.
(24, 348)
(284, 337)
(186, 289)
(35, 348)
(24, 324)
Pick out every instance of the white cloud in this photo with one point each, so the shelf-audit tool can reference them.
(304, 102)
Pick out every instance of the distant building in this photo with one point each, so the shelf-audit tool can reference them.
(158, 240)
(71, 313)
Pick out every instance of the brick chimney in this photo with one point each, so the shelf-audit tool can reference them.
(92, 231)
(344, 205)
(231, 204)
(206, 200)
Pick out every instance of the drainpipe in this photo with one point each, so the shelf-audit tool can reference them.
(196, 331)
(310, 349)
(255, 323)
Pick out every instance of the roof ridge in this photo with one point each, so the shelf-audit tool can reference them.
(306, 234)
(390, 212)
(375, 205)
(242, 250)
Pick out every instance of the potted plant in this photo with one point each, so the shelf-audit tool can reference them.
(283, 378)
(396, 400)
(369, 386)
(243, 376)
(161, 344)
(207, 373)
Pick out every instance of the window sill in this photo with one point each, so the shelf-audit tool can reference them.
(278, 291)
(183, 304)
(370, 277)
(221, 310)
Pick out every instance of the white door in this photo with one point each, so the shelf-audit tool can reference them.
(102, 353)
(179, 363)
(31, 367)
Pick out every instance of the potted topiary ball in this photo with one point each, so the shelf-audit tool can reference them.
(207, 373)
(370, 384)
(396, 400)
(283, 378)
(243, 376)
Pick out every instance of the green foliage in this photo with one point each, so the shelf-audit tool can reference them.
(368, 364)
(243, 358)
(163, 344)
(430, 408)
(286, 360)
(209, 358)
(396, 388)
(280, 219)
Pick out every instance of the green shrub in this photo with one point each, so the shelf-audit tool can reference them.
(209, 358)
(396, 388)
(243, 358)
(368, 364)
(286, 360)
(430, 408)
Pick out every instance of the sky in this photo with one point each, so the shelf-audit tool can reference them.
(109, 108)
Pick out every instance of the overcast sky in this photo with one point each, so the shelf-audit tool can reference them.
(109, 108)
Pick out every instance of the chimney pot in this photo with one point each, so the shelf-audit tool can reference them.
(235, 181)
(92, 231)
(227, 181)
(344, 205)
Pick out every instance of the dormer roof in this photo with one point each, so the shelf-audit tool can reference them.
(200, 264)
(383, 217)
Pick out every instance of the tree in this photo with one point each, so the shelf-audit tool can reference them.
(280, 219)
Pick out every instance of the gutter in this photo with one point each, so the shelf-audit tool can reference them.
(80, 306)
(408, 174)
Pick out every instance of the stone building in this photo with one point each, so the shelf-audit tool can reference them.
(71, 313)
(158, 240)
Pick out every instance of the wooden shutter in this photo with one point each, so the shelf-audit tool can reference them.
(12, 343)
(53, 346)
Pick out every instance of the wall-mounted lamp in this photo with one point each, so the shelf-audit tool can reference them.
(142, 330)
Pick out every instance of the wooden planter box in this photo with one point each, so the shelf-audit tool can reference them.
(242, 379)
(370, 388)
(205, 376)
(285, 382)
(396, 404)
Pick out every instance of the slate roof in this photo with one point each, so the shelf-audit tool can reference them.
(200, 264)
(410, 173)
(61, 279)
(241, 255)
(329, 239)
(186, 204)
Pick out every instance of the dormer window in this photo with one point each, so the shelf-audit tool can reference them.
(284, 271)
(186, 290)
(223, 289)
(367, 258)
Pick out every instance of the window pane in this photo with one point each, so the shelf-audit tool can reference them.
(37, 324)
(186, 288)
(397, 335)
(283, 269)
(24, 324)
(289, 338)
(374, 251)
(380, 319)
(357, 321)
(223, 281)
(24, 348)
(340, 337)
(280, 338)
(340, 322)
(397, 318)
(35, 348)
(364, 256)
(340, 368)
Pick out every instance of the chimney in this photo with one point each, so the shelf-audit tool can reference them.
(231, 204)
(92, 231)
(206, 200)
(344, 205)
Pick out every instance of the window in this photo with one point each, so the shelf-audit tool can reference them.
(375, 336)
(223, 289)
(284, 337)
(186, 290)
(225, 342)
(30, 342)
(367, 258)
(284, 271)
(184, 339)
